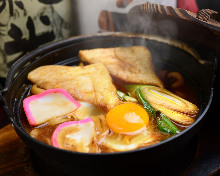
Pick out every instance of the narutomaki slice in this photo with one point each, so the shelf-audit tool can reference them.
(49, 104)
(77, 136)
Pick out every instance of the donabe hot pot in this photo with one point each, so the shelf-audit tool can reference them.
(195, 63)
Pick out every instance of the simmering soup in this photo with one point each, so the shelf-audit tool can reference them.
(113, 101)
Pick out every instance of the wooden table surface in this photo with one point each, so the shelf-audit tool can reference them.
(15, 156)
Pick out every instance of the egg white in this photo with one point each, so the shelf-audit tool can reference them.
(87, 110)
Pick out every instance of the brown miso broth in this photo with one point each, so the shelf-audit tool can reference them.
(118, 101)
(44, 131)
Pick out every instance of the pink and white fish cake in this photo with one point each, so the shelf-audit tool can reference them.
(47, 105)
(77, 136)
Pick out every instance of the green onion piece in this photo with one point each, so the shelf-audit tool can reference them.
(163, 122)
(125, 97)
(131, 88)
(146, 105)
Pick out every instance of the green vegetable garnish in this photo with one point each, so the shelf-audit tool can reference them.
(163, 122)
(131, 88)
(125, 97)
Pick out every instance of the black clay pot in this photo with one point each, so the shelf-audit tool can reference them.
(197, 65)
(65, 52)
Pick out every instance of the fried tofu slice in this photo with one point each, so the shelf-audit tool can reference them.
(131, 64)
(91, 83)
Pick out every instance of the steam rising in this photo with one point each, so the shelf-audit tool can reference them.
(86, 13)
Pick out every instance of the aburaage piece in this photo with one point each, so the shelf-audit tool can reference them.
(130, 64)
(91, 83)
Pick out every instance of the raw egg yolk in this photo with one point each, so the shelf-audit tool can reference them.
(126, 118)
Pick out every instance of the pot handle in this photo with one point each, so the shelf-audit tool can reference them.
(5, 116)
(205, 17)
(4, 120)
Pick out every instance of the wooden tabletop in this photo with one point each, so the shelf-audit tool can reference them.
(14, 154)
